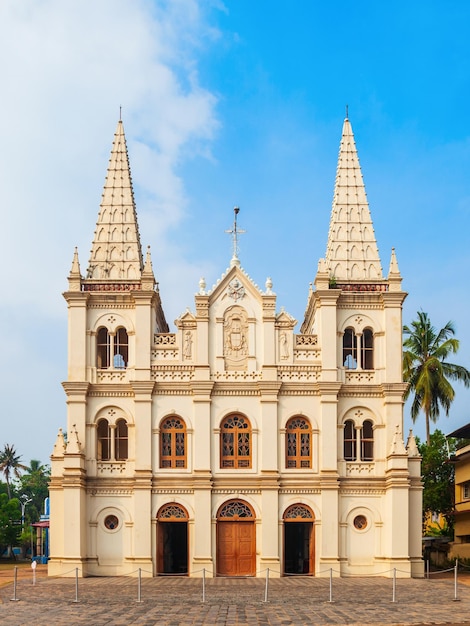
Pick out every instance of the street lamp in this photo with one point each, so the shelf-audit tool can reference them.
(24, 500)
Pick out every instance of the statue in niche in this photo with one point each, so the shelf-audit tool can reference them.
(284, 347)
(188, 344)
(235, 339)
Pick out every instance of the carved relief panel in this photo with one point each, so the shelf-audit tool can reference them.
(235, 338)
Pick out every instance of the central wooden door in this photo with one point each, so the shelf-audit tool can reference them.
(236, 543)
(236, 549)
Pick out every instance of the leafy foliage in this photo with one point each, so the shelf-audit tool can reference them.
(34, 484)
(438, 476)
(10, 521)
(426, 369)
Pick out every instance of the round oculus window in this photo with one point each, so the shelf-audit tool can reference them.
(360, 522)
(111, 522)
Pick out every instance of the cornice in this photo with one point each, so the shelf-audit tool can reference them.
(76, 388)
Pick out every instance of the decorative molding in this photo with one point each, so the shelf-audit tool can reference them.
(172, 491)
(172, 372)
(306, 340)
(109, 491)
(236, 492)
(110, 467)
(299, 373)
(360, 376)
(361, 492)
(164, 339)
(284, 491)
(111, 376)
(111, 393)
(358, 469)
(235, 375)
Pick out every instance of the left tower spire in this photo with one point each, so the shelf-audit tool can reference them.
(116, 253)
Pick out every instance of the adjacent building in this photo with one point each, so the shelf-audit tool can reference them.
(460, 547)
(233, 443)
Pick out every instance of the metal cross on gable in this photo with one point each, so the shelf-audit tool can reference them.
(235, 231)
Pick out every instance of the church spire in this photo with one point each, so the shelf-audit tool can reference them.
(352, 253)
(116, 253)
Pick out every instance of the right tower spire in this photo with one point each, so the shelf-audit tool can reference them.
(351, 253)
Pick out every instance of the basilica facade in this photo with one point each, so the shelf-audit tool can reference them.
(232, 443)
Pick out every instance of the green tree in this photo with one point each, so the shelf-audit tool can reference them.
(438, 476)
(34, 484)
(10, 465)
(10, 521)
(427, 371)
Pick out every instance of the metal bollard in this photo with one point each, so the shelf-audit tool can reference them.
(455, 598)
(394, 585)
(266, 586)
(139, 586)
(76, 585)
(203, 584)
(331, 586)
(14, 599)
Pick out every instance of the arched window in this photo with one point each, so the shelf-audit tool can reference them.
(235, 442)
(349, 349)
(367, 441)
(350, 444)
(104, 440)
(121, 349)
(367, 350)
(173, 443)
(121, 440)
(298, 443)
(103, 348)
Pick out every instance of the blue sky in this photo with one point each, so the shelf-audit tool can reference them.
(224, 103)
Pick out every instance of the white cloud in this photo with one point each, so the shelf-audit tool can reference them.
(66, 68)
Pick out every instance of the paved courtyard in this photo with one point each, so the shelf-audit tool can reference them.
(178, 602)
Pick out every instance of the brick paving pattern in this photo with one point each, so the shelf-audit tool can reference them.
(233, 602)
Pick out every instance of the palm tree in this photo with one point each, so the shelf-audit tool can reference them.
(10, 464)
(426, 370)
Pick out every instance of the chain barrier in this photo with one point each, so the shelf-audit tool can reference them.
(267, 572)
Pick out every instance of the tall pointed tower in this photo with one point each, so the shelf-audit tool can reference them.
(356, 314)
(113, 314)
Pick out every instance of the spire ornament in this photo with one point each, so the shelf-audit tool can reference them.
(235, 231)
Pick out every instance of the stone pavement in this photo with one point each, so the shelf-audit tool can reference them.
(295, 601)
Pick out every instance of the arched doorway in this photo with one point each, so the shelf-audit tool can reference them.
(236, 541)
(172, 540)
(299, 540)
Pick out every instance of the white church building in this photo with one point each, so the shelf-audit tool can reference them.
(232, 443)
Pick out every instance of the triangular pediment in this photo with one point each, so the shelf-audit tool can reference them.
(234, 287)
(187, 319)
(285, 320)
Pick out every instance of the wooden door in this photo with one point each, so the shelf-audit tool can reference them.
(236, 553)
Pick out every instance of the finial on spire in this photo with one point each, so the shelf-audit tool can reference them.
(120, 113)
(347, 112)
(235, 232)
